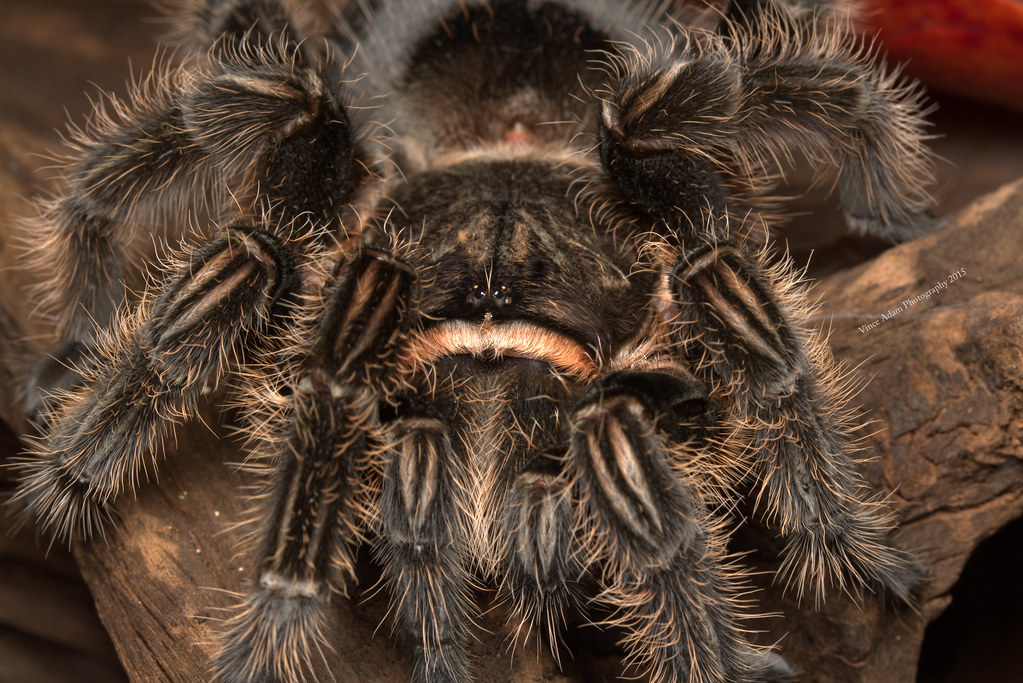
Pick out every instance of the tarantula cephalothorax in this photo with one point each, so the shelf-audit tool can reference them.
(482, 275)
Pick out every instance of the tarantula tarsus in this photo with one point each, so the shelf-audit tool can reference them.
(485, 278)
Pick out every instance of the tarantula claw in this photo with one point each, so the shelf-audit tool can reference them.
(770, 667)
(261, 641)
(898, 229)
(61, 501)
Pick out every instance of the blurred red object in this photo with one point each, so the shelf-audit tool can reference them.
(969, 47)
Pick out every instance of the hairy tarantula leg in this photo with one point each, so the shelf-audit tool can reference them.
(262, 137)
(641, 519)
(681, 125)
(420, 551)
(316, 508)
(150, 374)
(544, 563)
(784, 386)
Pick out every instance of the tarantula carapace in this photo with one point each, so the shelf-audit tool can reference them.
(488, 281)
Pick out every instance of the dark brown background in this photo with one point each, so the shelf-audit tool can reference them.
(945, 395)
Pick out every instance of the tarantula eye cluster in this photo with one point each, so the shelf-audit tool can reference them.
(495, 295)
(481, 277)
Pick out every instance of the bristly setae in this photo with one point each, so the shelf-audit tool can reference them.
(488, 282)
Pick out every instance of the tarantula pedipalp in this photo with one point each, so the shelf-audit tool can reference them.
(521, 338)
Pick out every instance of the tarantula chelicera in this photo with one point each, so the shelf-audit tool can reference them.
(487, 278)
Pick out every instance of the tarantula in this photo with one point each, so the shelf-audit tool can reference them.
(488, 282)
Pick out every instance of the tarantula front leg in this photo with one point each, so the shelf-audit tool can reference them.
(544, 560)
(327, 438)
(740, 329)
(645, 525)
(694, 124)
(421, 548)
(155, 366)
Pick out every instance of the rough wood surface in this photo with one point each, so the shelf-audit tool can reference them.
(946, 380)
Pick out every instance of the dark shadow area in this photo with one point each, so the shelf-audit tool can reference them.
(978, 638)
(49, 629)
